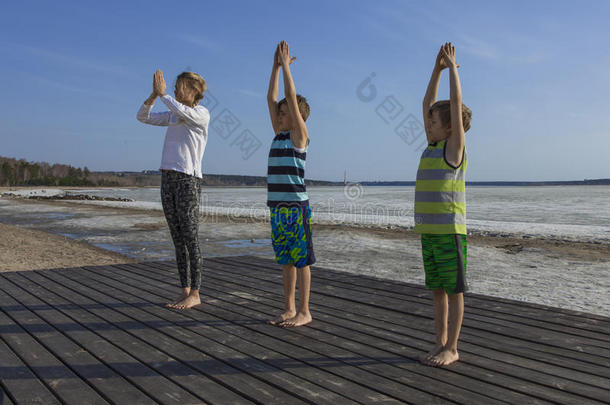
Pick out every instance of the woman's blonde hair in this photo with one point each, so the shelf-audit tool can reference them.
(193, 81)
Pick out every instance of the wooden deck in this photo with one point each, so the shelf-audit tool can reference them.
(101, 335)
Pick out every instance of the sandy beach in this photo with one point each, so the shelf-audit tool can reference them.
(47, 234)
(29, 249)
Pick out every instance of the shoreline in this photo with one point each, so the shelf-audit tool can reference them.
(512, 243)
(25, 249)
(365, 183)
(570, 274)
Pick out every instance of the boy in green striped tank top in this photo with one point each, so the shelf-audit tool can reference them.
(440, 207)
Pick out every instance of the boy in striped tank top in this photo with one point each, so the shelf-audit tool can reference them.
(287, 197)
(440, 207)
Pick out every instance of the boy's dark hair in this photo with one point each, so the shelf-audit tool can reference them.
(301, 102)
(444, 111)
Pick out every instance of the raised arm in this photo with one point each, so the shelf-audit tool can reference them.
(197, 117)
(457, 140)
(144, 115)
(273, 90)
(432, 90)
(299, 136)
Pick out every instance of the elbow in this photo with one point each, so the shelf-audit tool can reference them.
(143, 117)
(426, 104)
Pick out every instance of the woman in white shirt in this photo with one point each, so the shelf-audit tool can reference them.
(185, 140)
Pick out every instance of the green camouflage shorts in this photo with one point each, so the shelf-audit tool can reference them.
(445, 262)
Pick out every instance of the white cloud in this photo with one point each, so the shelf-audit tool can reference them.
(514, 48)
(250, 93)
(36, 79)
(55, 84)
(399, 21)
(199, 41)
(71, 60)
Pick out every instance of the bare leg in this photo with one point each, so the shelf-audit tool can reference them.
(190, 301)
(185, 293)
(440, 325)
(289, 279)
(303, 316)
(449, 354)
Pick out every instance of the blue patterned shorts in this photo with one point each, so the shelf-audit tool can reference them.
(291, 235)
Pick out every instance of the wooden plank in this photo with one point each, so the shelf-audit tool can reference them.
(483, 306)
(458, 380)
(4, 398)
(480, 385)
(343, 371)
(16, 377)
(527, 310)
(332, 304)
(475, 305)
(141, 359)
(355, 351)
(584, 390)
(38, 344)
(112, 372)
(266, 293)
(227, 332)
(339, 362)
(176, 317)
(198, 352)
(477, 379)
(557, 344)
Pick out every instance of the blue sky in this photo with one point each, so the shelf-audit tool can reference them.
(535, 74)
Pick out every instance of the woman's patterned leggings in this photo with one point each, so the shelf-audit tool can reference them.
(180, 199)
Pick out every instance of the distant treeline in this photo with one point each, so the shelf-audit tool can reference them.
(15, 172)
(20, 172)
(596, 182)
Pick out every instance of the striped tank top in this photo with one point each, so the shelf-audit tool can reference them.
(440, 193)
(286, 173)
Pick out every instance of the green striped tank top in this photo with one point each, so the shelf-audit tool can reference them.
(440, 200)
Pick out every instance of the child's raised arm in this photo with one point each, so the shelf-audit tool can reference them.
(299, 136)
(144, 115)
(432, 90)
(457, 140)
(273, 89)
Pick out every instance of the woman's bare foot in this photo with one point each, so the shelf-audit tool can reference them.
(426, 358)
(299, 319)
(444, 358)
(185, 293)
(192, 300)
(281, 318)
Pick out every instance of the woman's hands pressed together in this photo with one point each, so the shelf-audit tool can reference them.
(159, 86)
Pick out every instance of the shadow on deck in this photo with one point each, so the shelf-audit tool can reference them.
(100, 335)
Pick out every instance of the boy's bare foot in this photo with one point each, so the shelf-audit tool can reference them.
(444, 358)
(299, 319)
(426, 359)
(189, 302)
(181, 298)
(281, 318)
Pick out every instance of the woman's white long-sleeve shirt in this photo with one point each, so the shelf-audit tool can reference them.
(186, 136)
